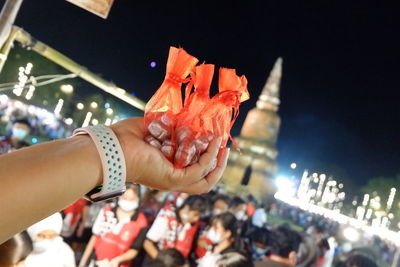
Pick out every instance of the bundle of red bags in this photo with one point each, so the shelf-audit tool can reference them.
(183, 131)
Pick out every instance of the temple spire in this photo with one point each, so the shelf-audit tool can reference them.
(269, 98)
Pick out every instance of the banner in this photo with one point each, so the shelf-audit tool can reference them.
(98, 7)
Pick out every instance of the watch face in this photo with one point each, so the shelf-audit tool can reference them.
(102, 197)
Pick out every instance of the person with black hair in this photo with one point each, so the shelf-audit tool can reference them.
(238, 207)
(357, 260)
(233, 259)
(283, 244)
(259, 243)
(20, 129)
(220, 204)
(14, 251)
(115, 231)
(175, 227)
(170, 258)
(221, 238)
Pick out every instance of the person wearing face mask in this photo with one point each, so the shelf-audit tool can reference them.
(49, 249)
(115, 231)
(219, 205)
(283, 244)
(238, 207)
(175, 228)
(21, 128)
(223, 238)
(180, 199)
(259, 242)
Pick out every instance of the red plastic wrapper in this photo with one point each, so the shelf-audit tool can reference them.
(192, 140)
(219, 115)
(166, 103)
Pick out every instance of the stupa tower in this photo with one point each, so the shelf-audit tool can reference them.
(252, 171)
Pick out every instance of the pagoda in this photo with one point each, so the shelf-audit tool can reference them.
(252, 171)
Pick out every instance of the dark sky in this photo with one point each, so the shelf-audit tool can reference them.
(339, 93)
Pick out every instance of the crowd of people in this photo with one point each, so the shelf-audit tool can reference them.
(146, 227)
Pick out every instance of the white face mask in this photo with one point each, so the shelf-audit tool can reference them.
(185, 217)
(216, 212)
(240, 215)
(161, 197)
(127, 205)
(40, 246)
(19, 133)
(214, 236)
(179, 202)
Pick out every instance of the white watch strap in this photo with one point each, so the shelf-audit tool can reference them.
(112, 159)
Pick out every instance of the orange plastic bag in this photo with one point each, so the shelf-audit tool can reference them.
(166, 103)
(219, 115)
(191, 140)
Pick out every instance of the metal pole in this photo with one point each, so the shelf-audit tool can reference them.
(27, 40)
(5, 49)
(7, 18)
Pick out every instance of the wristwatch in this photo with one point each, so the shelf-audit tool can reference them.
(112, 159)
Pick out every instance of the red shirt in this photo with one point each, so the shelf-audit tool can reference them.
(168, 232)
(115, 238)
(72, 215)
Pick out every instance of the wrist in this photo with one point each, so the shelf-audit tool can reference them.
(131, 176)
(84, 144)
(117, 260)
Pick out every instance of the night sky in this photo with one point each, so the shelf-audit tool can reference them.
(339, 93)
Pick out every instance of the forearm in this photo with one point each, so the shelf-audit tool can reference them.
(88, 251)
(150, 248)
(43, 179)
(127, 256)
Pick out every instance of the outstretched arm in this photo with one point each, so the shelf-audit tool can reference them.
(37, 181)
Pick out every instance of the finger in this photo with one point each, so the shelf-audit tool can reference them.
(208, 182)
(197, 171)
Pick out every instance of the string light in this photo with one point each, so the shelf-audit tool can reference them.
(109, 111)
(108, 122)
(87, 119)
(80, 106)
(59, 106)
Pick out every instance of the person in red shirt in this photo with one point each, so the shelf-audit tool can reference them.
(175, 227)
(115, 230)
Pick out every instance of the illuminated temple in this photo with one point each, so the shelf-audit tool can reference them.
(253, 170)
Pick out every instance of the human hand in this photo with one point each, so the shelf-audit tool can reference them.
(103, 263)
(114, 263)
(148, 166)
